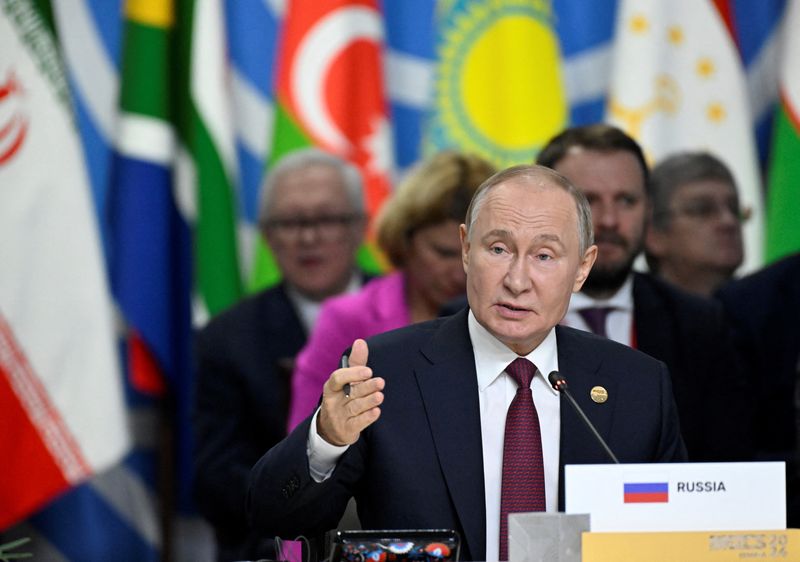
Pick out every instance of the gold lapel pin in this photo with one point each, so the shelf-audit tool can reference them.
(599, 394)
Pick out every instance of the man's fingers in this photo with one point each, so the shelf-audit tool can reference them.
(359, 353)
(357, 406)
(360, 422)
(351, 376)
(342, 419)
(351, 398)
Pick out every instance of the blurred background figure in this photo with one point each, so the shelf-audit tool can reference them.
(764, 308)
(686, 332)
(694, 240)
(312, 216)
(418, 229)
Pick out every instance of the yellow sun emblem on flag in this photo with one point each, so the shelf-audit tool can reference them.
(499, 90)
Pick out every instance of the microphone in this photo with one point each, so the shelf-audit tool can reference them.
(559, 383)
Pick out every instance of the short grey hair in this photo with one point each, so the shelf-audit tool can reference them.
(304, 158)
(678, 170)
(535, 172)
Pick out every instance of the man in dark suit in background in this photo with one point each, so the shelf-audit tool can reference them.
(312, 216)
(433, 440)
(687, 333)
(764, 308)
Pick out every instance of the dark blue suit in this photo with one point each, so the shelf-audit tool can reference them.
(691, 335)
(765, 311)
(421, 465)
(244, 365)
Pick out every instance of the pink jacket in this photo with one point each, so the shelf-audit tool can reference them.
(379, 306)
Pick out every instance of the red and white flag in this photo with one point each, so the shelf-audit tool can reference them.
(330, 86)
(61, 400)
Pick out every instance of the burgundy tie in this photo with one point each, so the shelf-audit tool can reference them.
(596, 318)
(523, 467)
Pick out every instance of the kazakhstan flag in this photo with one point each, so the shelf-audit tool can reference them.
(499, 90)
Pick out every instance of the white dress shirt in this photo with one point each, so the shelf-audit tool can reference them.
(308, 309)
(496, 390)
(619, 322)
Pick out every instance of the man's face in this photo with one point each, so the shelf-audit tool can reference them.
(314, 231)
(613, 182)
(704, 230)
(522, 261)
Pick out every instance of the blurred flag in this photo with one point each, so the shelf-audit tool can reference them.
(251, 28)
(330, 93)
(63, 416)
(206, 163)
(499, 90)
(150, 242)
(677, 83)
(783, 228)
(170, 214)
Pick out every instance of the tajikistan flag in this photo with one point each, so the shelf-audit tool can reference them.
(678, 84)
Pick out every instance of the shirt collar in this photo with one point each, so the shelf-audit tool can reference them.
(621, 300)
(308, 309)
(492, 356)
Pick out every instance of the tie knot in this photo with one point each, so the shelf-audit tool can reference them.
(522, 371)
(595, 318)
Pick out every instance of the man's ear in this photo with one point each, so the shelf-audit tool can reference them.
(589, 257)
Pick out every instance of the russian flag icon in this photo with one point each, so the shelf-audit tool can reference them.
(647, 492)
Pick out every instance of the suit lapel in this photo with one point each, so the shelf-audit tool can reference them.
(582, 366)
(449, 389)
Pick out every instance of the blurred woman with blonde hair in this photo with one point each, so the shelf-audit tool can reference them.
(417, 228)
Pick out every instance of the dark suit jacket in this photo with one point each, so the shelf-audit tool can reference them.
(421, 466)
(765, 311)
(690, 334)
(244, 358)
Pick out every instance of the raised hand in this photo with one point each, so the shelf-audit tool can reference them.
(344, 415)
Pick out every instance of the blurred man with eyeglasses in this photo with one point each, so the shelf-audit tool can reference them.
(686, 332)
(311, 213)
(694, 240)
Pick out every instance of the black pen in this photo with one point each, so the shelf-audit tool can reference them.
(344, 364)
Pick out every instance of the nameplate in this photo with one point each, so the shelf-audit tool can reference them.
(719, 546)
(678, 496)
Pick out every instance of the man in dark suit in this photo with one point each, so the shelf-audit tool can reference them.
(312, 215)
(432, 441)
(764, 308)
(686, 332)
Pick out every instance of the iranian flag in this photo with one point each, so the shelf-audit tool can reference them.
(61, 402)
(783, 227)
(678, 84)
(330, 94)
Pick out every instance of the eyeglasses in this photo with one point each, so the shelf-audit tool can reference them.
(709, 209)
(327, 227)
